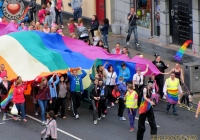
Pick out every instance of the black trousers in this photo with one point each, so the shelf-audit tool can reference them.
(52, 106)
(109, 93)
(138, 88)
(61, 102)
(141, 124)
(101, 107)
(121, 107)
(76, 101)
(32, 16)
(94, 102)
(160, 82)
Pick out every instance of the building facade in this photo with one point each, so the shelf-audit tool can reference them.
(170, 21)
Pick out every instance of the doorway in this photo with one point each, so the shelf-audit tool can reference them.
(181, 28)
(100, 10)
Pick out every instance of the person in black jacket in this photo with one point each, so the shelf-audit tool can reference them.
(160, 78)
(5, 86)
(102, 106)
(94, 25)
(32, 10)
(94, 96)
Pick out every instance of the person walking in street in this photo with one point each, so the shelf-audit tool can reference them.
(62, 97)
(122, 89)
(111, 76)
(132, 18)
(104, 32)
(131, 98)
(102, 101)
(52, 83)
(50, 132)
(18, 98)
(146, 111)
(160, 77)
(138, 79)
(59, 8)
(76, 88)
(32, 10)
(43, 95)
(94, 25)
(5, 86)
(94, 96)
(171, 89)
(76, 9)
(117, 49)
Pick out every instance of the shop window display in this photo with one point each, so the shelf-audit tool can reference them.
(144, 13)
(157, 17)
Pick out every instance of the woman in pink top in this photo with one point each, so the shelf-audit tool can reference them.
(71, 26)
(41, 14)
(18, 98)
(59, 8)
(3, 72)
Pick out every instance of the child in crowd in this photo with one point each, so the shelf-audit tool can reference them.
(102, 106)
(22, 26)
(71, 27)
(48, 19)
(155, 95)
(46, 29)
(96, 37)
(74, 36)
(131, 104)
(100, 44)
(37, 26)
(122, 89)
(60, 32)
(94, 96)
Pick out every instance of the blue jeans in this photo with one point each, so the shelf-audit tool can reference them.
(77, 13)
(105, 40)
(59, 14)
(173, 106)
(42, 104)
(131, 115)
(20, 107)
(134, 30)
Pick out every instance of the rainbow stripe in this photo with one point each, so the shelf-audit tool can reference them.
(144, 106)
(24, 14)
(181, 51)
(172, 96)
(8, 98)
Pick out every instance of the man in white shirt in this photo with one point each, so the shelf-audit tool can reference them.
(138, 79)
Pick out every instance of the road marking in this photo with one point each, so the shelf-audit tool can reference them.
(145, 121)
(64, 132)
(2, 123)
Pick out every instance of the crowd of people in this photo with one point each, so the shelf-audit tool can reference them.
(54, 93)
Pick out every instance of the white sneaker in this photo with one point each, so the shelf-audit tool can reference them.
(36, 114)
(164, 98)
(4, 116)
(112, 104)
(103, 115)
(99, 118)
(77, 116)
(188, 108)
(127, 43)
(122, 119)
(43, 123)
(137, 44)
(62, 27)
(95, 122)
(108, 107)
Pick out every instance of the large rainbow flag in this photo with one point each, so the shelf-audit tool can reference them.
(33, 53)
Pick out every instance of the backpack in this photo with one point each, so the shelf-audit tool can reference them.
(140, 95)
(115, 92)
(82, 32)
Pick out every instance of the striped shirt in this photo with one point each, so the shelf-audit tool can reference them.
(50, 130)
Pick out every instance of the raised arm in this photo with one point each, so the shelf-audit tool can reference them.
(146, 70)
(169, 71)
(182, 77)
(69, 74)
(83, 73)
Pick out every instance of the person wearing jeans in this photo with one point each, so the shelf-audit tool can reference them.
(18, 98)
(132, 17)
(76, 88)
(122, 89)
(43, 95)
(104, 32)
(58, 9)
(76, 9)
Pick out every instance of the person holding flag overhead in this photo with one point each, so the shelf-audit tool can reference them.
(146, 111)
(76, 88)
(171, 89)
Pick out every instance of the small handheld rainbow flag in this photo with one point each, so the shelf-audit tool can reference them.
(24, 14)
(8, 98)
(181, 51)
